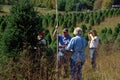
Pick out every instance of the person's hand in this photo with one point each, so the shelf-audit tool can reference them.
(56, 27)
(61, 46)
(38, 37)
(90, 35)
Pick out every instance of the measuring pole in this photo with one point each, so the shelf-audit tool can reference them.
(57, 37)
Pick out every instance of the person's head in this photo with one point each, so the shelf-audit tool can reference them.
(93, 32)
(77, 31)
(40, 35)
(65, 32)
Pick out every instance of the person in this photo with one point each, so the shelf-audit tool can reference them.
(41, 43)
(78, 45)
(63, 40)
(93, 45)
(41, 39)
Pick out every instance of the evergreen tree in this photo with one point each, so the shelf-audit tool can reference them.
(22, 28)
(84, 28)
(45, 22)
(91, 21)
(61, 5)
(0, 8)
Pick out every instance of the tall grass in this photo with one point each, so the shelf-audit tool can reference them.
(108, 65)
(32, 66)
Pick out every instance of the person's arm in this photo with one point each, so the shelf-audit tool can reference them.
(70, 45)
(63, 46)
(55, 31)
(91, 36)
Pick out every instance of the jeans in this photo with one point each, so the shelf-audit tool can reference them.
(76, 73)
(93, 57)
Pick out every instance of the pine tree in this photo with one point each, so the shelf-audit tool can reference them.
(22, 28)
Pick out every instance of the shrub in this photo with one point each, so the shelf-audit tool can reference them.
(22, 28)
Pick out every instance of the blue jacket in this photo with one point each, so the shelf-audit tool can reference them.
(78, 45)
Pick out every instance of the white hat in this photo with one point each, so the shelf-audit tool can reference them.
(77, 31)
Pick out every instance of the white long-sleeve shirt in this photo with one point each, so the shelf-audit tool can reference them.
(94, 42)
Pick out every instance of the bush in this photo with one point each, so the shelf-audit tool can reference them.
(22, 28)
(91, 21)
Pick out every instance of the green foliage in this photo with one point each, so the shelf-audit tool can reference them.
(91, 21)
(89, 28)
(48, 37)
(0, 8)
(109, 31)
(109, 34)
(102, 18)
(98, 20)
(3, 23)
(104, 30)
(110, 12)
(49, 4)
(61, 5)
(105, 13)
(52, 20)
(60, 19)
(45, 22)
(118, 39)
(116, 31)
(86, 19)
(84, 28)
(70, 5)
(80, 17)
(73, 19)
(22, 28)
(53, 45)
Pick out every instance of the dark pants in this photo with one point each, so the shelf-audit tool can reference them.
(76, 73)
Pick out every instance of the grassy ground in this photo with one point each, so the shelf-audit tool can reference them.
(108, 66)
(6, 9)
(109, 22)
(108, 63)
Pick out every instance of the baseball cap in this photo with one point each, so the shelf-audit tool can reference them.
(65, 30)
(41, 33)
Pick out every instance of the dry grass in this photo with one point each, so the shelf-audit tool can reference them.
(108, 66)
(6, 8)
(109, 22)
(31, 66)
(108, 63)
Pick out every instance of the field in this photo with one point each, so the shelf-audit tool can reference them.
(108, 63)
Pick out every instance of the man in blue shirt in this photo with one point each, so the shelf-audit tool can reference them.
(63, 39)
(78, 45)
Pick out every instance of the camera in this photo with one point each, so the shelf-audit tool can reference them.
(90, 32)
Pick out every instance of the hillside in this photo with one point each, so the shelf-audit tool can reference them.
(19, 58)
(109, 22)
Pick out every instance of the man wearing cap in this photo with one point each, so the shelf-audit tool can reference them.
(77, 44)
(63, 39)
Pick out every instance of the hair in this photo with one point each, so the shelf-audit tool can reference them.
(77, 31)
(94, 33)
